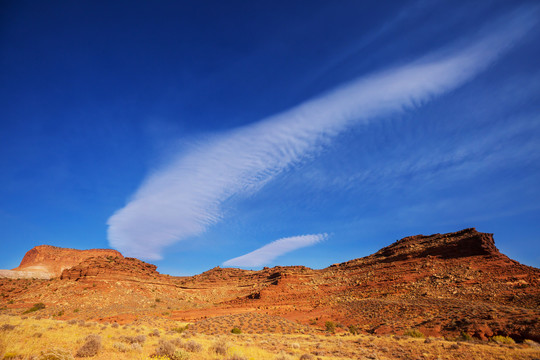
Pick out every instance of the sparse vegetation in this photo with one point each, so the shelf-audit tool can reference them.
(236, 330)
(36, 307)
(500, 339)
(180, 329)
(330, 326)
(414, 333)
(119, 343)
(56, 354)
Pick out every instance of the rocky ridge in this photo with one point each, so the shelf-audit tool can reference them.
(441, 284)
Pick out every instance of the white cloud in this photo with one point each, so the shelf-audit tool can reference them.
(184, 198)
(269, 252)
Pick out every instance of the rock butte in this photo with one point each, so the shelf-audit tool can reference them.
(46, 261)
(441, 284)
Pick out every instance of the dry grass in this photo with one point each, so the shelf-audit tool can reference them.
(61, 340)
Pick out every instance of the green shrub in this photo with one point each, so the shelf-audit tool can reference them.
(36, 307)
(353, 329)
(414, 333)
(330, 326)
(180, 329)
(465, 337)
(500, 339)
(236, 330)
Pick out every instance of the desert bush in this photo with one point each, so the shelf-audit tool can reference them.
(237, 357)
(220, 347)
(3, 347)
(56, 354)
(414, 333)
(500, 339)
(178, 342)
(330, 326)
(154, 332)
(531, 343)
(139, 339)
(136, 347)
(115, 325)
(295, 346)
(91, 346)
(181, 355)
(36, 307)
(165, 348)
(282, 356)
(7, 327)
(121, 347)
(464, 337)
(236, 330)
(353, 329)
(72, 322)
(192, 346)
(307, 357)
(180, 329)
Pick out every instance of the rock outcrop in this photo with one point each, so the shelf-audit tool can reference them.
(109, 267)
(45, 261)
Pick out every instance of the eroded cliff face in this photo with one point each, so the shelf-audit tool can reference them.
(45, 261)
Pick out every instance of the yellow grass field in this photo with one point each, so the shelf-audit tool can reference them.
(46, 339)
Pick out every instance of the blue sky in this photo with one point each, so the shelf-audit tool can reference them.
(251, 134)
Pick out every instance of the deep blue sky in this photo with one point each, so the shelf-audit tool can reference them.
(193, 133)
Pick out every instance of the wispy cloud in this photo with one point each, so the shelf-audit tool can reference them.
(269, 252)
(184, 198)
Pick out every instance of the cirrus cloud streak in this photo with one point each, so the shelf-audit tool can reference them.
(271, 251)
